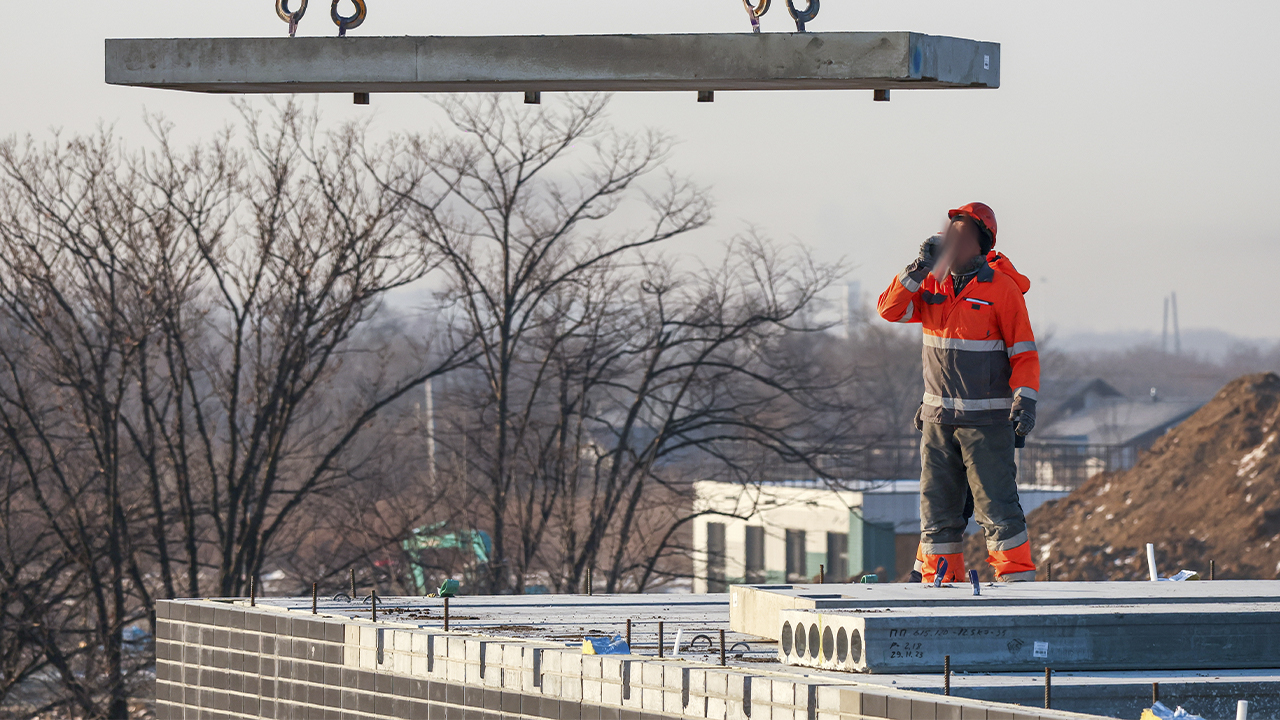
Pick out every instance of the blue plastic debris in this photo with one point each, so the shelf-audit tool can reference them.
(605, 646)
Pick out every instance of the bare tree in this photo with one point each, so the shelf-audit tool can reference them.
(603, 366)
(515, 218)
(175, 329)
(199, 382)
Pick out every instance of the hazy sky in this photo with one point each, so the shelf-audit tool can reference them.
(1133, 149)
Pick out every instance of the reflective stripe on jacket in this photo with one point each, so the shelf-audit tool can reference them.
(979, 350)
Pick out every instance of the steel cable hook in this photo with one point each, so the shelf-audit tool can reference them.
(293, 18)
(350, 23)
(803, 16)
(755, 12)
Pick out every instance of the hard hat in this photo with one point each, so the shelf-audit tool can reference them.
(980, 213)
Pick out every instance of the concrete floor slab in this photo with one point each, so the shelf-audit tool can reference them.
(770, 61)
(755, 609)
(1211, 694)
(556, 620)
(696, 619)
(1008, 638)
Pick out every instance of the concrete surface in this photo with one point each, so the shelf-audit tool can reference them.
(1005, 638)
(565, 618)
(1211, 695)
(189, 645)
(756, 610)
(770, 61)
(223, 659)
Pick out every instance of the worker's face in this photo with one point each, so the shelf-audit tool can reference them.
(962, 236)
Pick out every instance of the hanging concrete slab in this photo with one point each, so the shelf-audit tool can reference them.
(695, 62)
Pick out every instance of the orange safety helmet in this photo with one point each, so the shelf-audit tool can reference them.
(980, 213)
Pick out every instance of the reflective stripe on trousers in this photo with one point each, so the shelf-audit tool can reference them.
(1014, 561)
(980, 458)
(927, 566)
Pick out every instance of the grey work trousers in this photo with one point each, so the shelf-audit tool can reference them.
(981, 458)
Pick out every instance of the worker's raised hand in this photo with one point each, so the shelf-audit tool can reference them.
(1023, 415)
(930, 251)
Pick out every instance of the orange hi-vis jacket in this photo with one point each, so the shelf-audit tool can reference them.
(979, 351)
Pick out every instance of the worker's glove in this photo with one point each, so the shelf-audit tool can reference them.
(1023, 415)
(930, 251)
(918, 420)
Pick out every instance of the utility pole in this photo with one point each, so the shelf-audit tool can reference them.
(1171, 312)
(1164, 334)
(429, 423)
(1177, 336)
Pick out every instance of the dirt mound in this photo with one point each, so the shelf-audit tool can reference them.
(1208, 490)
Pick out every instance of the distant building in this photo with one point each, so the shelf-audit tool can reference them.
(853, 310)
(1061, 398)
(781, 532)
(1088, 427)
(1098, 414)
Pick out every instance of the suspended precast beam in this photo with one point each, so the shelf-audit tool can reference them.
(548, 63)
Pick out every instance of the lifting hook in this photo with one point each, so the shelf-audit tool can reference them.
(294, 17)
(803, 16)
(755, 12)
(350, 23)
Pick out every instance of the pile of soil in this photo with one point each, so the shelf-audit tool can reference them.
(1207, 490)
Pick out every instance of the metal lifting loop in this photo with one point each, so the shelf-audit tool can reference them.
(348, 23)
(802, 17)
(293, 18)
(755, 12)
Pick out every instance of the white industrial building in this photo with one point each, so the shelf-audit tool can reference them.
(782, 532)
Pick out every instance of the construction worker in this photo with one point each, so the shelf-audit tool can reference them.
(981, 375)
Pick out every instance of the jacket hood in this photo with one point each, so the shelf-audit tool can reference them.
(1001, 264)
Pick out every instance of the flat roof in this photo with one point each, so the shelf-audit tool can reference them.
(565, 619)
